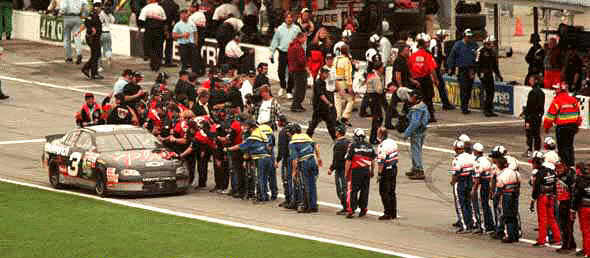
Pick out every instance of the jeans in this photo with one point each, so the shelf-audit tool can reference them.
(377, 102)
(466, 86)
(264, 166)
(272, 181)
(72, 24)
(416, 142)
(310, 176)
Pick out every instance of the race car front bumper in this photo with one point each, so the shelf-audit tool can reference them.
(150, 186)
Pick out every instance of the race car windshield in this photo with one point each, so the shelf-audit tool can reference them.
(123, 142)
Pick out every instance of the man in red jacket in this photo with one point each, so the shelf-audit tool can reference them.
(564, 111)
(297, 70)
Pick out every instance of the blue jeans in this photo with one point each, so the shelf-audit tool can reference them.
(72, 25)
(309, 171)
(286, 176)
(465, 87)
(272, 180)
(264, 166)
(416, 142)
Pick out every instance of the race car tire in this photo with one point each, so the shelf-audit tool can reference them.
(101, 186)
(54, 177)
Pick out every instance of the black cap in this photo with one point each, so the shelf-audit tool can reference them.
(137, 74)
(252, 73)
(283, 118)
(183, 73)
(261, 65)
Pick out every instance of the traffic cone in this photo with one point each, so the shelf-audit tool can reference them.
(518, 28)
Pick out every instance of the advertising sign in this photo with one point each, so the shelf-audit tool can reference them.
(51, 28)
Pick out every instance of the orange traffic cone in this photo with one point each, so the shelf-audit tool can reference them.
(518, 28)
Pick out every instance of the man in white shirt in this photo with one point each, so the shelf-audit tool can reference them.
(120, 84)
(199, 19)
(247, 85)
(151, 21)
(233, 52)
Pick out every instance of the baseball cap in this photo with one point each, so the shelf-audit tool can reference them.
(468, 33)
(359, 132)
(88, 95)
(549, 141)
(478, 147)
(560, 86)
(96, 2)
(252, 73)
(305, 10)
(346, 33)
(137, 74)
(464, 138)
(458, 144)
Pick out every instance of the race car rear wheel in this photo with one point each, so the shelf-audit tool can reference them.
(54, 177)
(100, 187)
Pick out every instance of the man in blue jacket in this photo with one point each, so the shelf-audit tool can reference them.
(416, 131)
(463, 56)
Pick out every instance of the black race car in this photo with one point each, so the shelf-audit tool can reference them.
(113, 159)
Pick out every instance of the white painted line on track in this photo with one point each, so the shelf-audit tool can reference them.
(40, 62)
(49, 85)
(216, 220)
(476, 123)
(22, 141)
(90, 86)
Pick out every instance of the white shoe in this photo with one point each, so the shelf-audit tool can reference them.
(281, 92)
(289, 96)
(226, 191)
(100, 69)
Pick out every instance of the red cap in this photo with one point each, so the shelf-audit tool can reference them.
(88, 95)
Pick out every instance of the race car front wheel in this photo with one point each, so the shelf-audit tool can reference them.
(100, 187)
(54, 177)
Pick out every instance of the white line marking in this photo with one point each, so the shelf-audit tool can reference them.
(49, 85)
(22, 141)
(216, 220)
(476, 123)
(40, 62)
(90, 86)
(582, 149)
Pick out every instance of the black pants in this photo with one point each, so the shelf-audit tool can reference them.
(565, 143)
(387, 185)
(221, 173)
(200, 69)
(92, 63)
(465, 87)
(364, 105)
(566, 225)
(190, 165)
(169, 48)
(153, 40)
(328, 116)
(533, 133)
(427, 89)
(391, 111)
(376, 101)
(202, 167)
(487, 92)
(188, 57)
(239, 178)
(358, 194)
(283, 69)
(221, 58)
(300, 85)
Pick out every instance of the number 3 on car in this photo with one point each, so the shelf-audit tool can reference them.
(74, 163)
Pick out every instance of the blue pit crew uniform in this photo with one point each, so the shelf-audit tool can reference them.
(387, 156)
(462, 169)
(483, 173)
(302, 149)
(508, 184)
(271, 177)
(256, 146)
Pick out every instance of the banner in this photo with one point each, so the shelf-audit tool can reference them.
(51, 28)
(329, 17)
(503, 96)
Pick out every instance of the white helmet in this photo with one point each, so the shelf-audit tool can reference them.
(423, 36)
(478, 147)
(384, 26)
(490, 38)
(549, 142)
(538, 155)
(464, 138)
(458, 144)
(96, 2)
(359, 132)
(374, 38)
(371, 52)
(346, 33)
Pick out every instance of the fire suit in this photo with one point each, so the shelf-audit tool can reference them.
(566, 224)
(564, 111)
(483, 176)
(271, 177)
(508, 184)
(581, 204)
(302, 149)
(256, 145)
(361, 156)
(387, 156)
(462, 168)
(544, 191)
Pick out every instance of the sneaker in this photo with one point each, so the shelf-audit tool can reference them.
(100, 69)
(281, 92)
(79, 59)
(219, 191)
(86, 73)
(69, 61)
(314, 210)
(457, 224)
(537, 244)
(3, 97)
(226, 191)
(363, 213)
(580, 253)
(527, 154)
(98, 77)
(284, 204)
(410, 173)
(419, 175)
(478, 231)
(289, 96)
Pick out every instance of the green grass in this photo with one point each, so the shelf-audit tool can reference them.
(38, 223)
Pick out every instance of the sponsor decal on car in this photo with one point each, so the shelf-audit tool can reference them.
(154, 164)
(112, 177)
(57, 149)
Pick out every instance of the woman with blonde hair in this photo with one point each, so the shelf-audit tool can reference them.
(320, 46)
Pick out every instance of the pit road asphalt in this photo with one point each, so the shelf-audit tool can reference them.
(45, 94)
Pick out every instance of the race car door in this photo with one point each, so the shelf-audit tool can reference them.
(79, 168)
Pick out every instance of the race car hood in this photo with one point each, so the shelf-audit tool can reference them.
(139, 160)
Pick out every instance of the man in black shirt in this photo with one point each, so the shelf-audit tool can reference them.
(573, 70)
(401, 78)
(184, 91)
(323, 106)
(93, 32)
(234, 94)
(261, 78)
(341, 145)
(121, 114)
(132, 92)
(533, 115)
(218, 96)
(172, 16)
